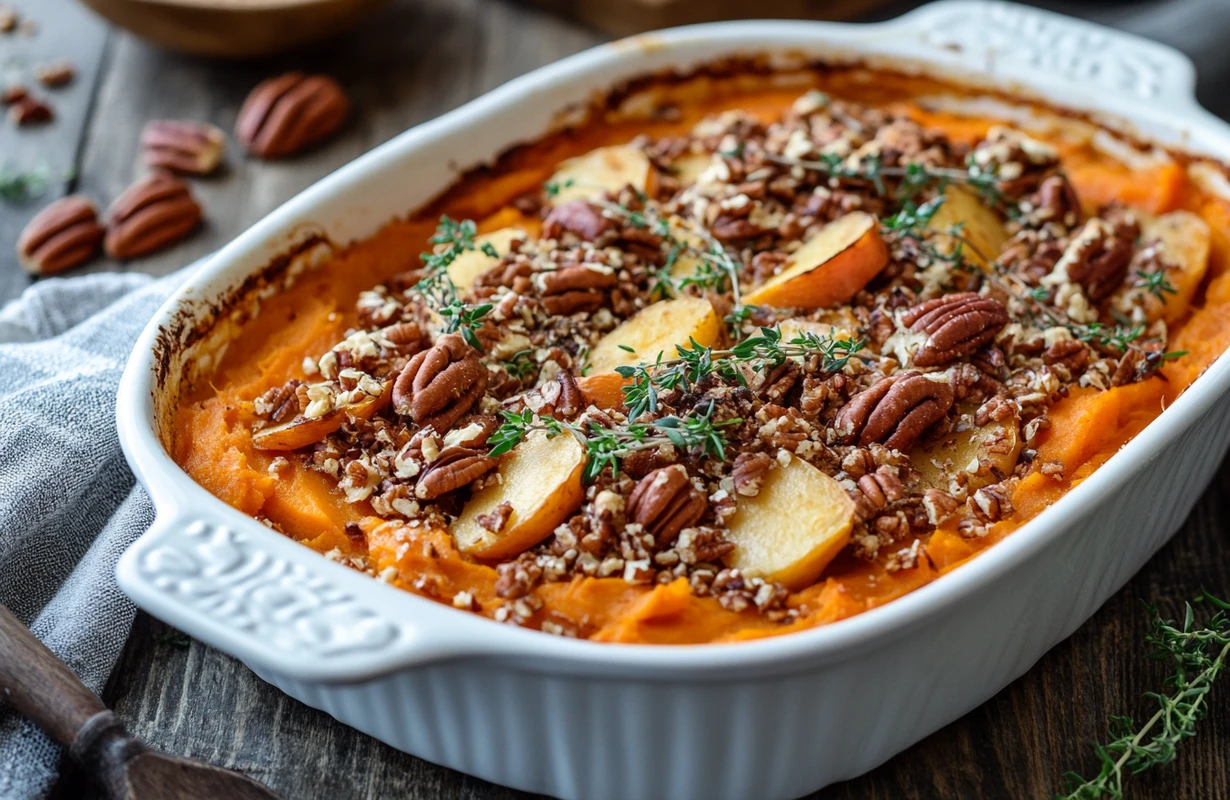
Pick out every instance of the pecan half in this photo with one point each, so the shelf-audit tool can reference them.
(194, 148)
(441, 384)
(573, 289)
(1103, 252)
(895, 411)
(156, 211)
(62, 235)
(13, 93)
(665, 502)
(452, 469)
(956, 325)
(876, 490)
(575, 216)
(30, 111)
(1058, 201)
(749, 471)
(55, 74)
(289, 113)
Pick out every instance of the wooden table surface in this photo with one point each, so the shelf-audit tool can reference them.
(417, 59)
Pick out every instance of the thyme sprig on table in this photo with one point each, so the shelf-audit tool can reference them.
(438, 288)
(19, 185)
(607, 447)
(762, 354)
(1198, 655)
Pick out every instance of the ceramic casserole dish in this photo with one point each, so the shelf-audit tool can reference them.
(773, 718)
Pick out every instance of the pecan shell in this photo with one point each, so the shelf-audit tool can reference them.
(156, 211)
(289, 113)
(895, 411)
(62, 235)
(193, 148)
(665, 502)
(454, 468)
(956, 325)
(439, 385)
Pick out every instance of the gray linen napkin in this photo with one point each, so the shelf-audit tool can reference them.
(68, 502)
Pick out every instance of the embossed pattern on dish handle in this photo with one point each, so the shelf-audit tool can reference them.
(1007, 40)
(275, 603)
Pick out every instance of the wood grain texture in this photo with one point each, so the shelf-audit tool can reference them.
(417, 59)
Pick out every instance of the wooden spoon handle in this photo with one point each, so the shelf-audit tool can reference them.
(39, 686)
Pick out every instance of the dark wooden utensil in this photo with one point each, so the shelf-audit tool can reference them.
(39, 686)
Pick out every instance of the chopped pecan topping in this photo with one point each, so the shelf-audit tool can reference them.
(896, 410)
(438, 386)
(876, 490)
(990, 504)
(1100, 255)
(495, 519)
(453, 468)
(1059, 201)
(939, 505)
(665, 502)
(956, 325)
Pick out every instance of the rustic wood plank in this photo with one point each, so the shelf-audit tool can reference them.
(63, 29)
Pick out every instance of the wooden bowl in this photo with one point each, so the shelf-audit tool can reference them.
(234, 28)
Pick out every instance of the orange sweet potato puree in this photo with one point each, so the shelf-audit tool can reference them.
(212, 441)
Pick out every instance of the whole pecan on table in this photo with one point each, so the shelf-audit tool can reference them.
(289, 113)
(55, 73)
(441, 384)
(187, 146)
(574, 289)
(13, 93)
(453, 468)
(575, 216)
(62, 235)
(156, 211)
(895, 410)
(956, 325)
(30, 111)
(665, 502)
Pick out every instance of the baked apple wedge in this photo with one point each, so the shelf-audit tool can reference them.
(607, 169)
(655, 329)
(790, 531)
(466, 268)
(980, 225)
(302, 431)
(830, 268)
(986, 454)
(538, 487)
(1184, 239)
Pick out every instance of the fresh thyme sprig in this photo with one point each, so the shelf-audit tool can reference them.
(607, 447)
(913, 178)
(1198, 655)
(761, 354)
(438, 288)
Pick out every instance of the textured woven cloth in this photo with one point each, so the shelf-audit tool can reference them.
(68, 502)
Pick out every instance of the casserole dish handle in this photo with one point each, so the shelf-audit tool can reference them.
(276, 604)
(1040, 48)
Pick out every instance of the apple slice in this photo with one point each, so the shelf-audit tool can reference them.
(793, 528)
(980, 224)
(541, 480)
(303, 431)
(830, 268)
(998, 443)
(1184, 239)
(466, 268)
(655, 329)
(688, 168)
(607, 169)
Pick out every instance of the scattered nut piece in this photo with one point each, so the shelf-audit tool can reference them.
(193, 148)
(30, 111)
(55, 74)
(289, 113)
(62, 235)
(8, 20)
(13, 93)
(156, 211)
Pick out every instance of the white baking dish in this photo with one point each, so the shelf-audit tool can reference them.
(768, 719)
